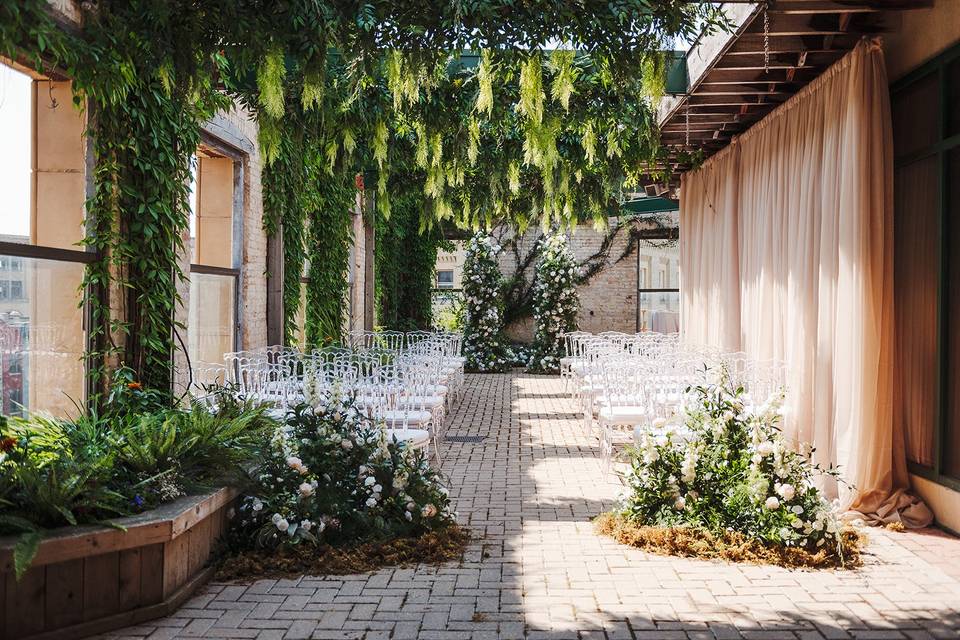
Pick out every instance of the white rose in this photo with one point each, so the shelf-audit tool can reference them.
(787, 492)
(679, 504)
(346, 444)
(765, 448)
(257, 505)
(283, 525)
(276, 518)
(371, 502)
(306, 489)
(408, 516)
(306, 525)
(370, 481)
(772, 503)
(293, 462)
(377, 488)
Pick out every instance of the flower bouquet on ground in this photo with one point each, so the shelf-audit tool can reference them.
(330, 480)
(723, 483)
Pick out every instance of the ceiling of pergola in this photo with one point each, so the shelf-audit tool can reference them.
(732, 86)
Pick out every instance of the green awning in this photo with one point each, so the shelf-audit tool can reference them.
(651, 205)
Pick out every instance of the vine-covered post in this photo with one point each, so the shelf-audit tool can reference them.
(483, 343)
(555, 302)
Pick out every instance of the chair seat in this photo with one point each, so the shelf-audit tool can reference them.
(414, 438)
(425, 401)
(401, 416)
(437, 389)
(624, 414)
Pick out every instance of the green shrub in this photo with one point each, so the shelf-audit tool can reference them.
(725, 467)
(331, 476)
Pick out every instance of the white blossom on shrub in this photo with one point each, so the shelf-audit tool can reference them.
(555, 302)
(723, 466)
(483, 344)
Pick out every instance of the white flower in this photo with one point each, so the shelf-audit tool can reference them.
(765, 448)
(679, 504)
(306, 489)
(257, 505)
(408, 516)
(371, 502)
(283, 525)
(276, 518)
(346, 444)
(293, 462)
(306, 525)
(377, 488)
(370, 481)
(797, 524)
(787, 491)
(428, 511)
(772, 503)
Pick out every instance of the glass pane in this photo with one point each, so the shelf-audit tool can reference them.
(953, 86)
(42, 337)
(16, 173)
(916, 116)
(659, 265)
(916, 273)
(951, 441)
(212, 317)
(659, 312)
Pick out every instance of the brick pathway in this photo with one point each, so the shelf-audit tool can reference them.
(538, 571)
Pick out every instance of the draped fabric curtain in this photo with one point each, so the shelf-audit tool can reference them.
(787, 253)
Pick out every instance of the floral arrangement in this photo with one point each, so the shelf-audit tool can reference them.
(555, 303)
(483, 345)
(519, 354)
(724, 469)
(330, 475)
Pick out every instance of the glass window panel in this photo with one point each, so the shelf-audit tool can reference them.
(212, 321)
(951, 443)
(42, 339)
(953, 86)
(916, 116)
(916, 273)
(16, 170)
(659, 311)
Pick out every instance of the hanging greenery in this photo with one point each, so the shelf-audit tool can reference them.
(488, 141)
(555, 303)
(484, 346)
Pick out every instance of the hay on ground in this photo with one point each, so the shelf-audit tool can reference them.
(690, 542)
(431, 548)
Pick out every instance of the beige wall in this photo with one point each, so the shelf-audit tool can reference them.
(923, 34)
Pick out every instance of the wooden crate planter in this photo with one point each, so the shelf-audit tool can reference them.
(90, 579)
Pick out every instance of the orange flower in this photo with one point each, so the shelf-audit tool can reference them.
(8, 443)
(134, 385)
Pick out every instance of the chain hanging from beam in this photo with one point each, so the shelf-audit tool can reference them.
(766, 37)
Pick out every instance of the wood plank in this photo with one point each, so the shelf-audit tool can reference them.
(25, 602)
(101, 585)
(129, 579)
(151, 574)
(199, 546)
(3, 607)
(64, 605)
(176, 557)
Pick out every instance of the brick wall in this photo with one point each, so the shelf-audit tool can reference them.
(608, 301)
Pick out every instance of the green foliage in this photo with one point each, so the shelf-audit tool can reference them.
(727, 467)
(483, 343)
(330, 475)
(555, 302)
(328, 253)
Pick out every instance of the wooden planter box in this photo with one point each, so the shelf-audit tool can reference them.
(90, 579)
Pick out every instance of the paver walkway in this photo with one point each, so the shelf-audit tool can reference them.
(537, 570)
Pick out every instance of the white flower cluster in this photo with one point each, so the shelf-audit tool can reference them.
(555, 302)
(483, 344)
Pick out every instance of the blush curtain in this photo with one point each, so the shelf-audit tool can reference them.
(787, 253)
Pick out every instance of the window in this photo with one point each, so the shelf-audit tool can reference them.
(658, 259)
(214, 272)
(43, 181)
(927, 265)
(445, 279)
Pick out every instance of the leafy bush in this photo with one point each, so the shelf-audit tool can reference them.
(518, 355)
(133, 456)
(330, 475)
(555, 303)
(483, 344)
(726, 468)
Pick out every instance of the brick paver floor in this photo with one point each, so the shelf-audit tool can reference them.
(537, 570)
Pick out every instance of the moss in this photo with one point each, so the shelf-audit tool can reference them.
(690, 542)
(431, 548)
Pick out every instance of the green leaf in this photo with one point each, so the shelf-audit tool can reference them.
(25, 550)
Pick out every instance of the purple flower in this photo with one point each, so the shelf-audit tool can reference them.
(138, 501)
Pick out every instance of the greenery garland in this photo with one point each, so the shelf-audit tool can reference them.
(555, 303)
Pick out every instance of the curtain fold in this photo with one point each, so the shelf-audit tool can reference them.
(787, 253)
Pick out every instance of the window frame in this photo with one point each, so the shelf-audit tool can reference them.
(665, 233)
(940, 149)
